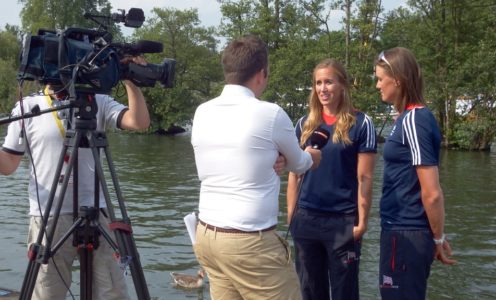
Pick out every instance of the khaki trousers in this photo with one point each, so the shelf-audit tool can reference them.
(247, 265)
(108, 277)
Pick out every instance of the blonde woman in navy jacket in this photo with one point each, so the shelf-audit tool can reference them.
(329, 213)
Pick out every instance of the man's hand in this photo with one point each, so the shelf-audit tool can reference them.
(280, 165)
(140, 60)
(137, 116)
(316, 156)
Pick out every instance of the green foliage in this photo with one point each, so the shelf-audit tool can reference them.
(240, 16)
(8, 66)
(290, 78)
(476, 131)
(60, 14)
(197, 70)
(7, 86)
(453, 40)
(10, 47)
(454, 43)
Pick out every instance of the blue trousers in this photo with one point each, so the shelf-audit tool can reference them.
(327, 257)
(405, 263)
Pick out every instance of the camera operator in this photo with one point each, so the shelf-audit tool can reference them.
(44, 135)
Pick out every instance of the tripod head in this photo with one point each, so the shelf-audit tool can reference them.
(82, 106)
(85, 110)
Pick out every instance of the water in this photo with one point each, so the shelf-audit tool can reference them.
(157, 176)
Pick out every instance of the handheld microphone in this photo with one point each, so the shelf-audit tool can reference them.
(319, 138)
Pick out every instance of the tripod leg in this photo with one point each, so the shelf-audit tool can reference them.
(86, 261)
(38, 254)
(125, 240)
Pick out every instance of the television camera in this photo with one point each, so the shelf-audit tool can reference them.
(89, 60)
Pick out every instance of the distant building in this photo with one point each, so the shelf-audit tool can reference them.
(463, 106)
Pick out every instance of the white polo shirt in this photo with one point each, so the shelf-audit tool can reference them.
(236, 140)
(45, 135)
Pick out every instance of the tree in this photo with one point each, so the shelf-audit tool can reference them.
(476, 130)
(452, 43)
(237, 18)
(8, 65)
(365, 24)
(354, 46)
(290, 36)
(198, 74)
(60, 14)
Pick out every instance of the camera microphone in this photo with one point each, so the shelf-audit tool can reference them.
(134, 18)
(139, 47)
(319, 138)
(144, 46)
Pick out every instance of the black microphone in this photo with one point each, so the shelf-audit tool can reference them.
(135, 18)
(319, 138)
(141, 46)
(144, 46)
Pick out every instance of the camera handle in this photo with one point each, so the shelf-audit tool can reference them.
(85, 135)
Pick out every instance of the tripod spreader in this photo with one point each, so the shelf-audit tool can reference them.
(89, 231)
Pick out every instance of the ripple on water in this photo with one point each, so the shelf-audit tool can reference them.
(158, 180)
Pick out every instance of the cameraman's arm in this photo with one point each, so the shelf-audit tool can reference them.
(9, 162)
(137, 116)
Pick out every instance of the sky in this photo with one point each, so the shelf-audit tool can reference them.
(208, 10)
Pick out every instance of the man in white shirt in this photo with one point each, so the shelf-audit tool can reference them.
(45, 135)
(237, 139)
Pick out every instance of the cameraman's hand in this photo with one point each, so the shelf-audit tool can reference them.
(139, 60)
(137, 116)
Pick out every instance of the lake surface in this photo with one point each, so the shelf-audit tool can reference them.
(158, 179)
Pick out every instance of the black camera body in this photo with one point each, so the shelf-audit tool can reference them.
(89, 60)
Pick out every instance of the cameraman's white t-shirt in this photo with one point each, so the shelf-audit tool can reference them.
(45, 134)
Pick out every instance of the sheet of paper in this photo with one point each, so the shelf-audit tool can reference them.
(191, 221)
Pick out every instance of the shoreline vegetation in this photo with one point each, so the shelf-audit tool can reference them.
(455, 52)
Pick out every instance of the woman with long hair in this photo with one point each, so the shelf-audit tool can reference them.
(412, 202)
(328, 207)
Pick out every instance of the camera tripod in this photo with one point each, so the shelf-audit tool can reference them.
(86, 228)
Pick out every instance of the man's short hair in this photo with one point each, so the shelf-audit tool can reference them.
(243, 58)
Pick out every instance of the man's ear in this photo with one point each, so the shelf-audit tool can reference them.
(260, 76)
(265, 72)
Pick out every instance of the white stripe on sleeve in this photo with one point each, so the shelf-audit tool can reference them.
(411, 135)
(370, 131)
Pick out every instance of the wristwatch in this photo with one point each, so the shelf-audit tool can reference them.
(440, 241)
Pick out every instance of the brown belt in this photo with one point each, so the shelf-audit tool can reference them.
(232, 230)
